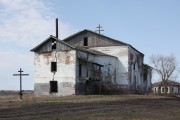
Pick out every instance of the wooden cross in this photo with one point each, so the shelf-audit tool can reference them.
(99, 29)
(20, 92)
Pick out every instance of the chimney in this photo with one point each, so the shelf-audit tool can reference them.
(56, 27)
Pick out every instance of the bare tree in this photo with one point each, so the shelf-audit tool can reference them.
(164, 66)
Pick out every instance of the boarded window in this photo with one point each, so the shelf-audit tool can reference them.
(53, 66)
(85, 41)
(53, 86)
(53, 44)
(80, 70)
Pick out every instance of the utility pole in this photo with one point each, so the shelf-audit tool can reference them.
(20, 71)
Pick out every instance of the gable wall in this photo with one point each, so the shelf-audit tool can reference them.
(93, 40)
(47, 47)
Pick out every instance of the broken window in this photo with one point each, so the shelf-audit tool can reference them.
(53, 66)
(80, 70)
(53, 86)
(53, 44)
(85, 41)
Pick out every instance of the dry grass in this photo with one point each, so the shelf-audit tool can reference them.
(92, 107)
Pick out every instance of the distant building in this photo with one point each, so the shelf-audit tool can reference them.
(172, 87)
(89, 63)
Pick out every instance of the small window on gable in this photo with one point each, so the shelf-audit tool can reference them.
(85, 41)
(53, 66)
(53, 44)
(53, 86)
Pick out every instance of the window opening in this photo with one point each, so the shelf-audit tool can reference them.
(53, 66)
(53, 44)
(80, 70)
(135, 82)
(53, 86)
(163, 90)
(85, 41)
(134, 66)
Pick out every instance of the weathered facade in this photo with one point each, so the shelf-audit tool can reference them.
(172, 87)
(89, 63)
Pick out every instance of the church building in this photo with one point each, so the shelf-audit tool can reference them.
(89, 63)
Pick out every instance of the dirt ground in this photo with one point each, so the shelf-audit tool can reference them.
(91, 107)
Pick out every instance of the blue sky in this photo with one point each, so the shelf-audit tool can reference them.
(153, 27)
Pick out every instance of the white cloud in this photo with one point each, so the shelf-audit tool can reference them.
(27, 22)
(23, 25)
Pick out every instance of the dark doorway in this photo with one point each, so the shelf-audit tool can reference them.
(53, 86)
(88, 87)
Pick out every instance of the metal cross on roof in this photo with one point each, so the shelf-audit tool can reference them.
(99, 29)
(20, 92)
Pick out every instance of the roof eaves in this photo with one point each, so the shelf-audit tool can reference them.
(146, 65)
(136, 50)
(51, 36)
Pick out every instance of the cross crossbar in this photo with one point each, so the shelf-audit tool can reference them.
(20, 74)
(99, 29)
